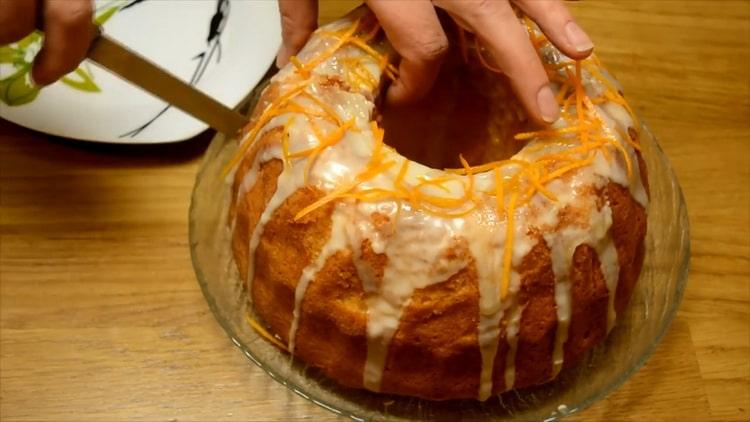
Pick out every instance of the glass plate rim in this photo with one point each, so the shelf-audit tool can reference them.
(671, 311)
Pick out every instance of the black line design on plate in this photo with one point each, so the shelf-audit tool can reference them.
(213, 47)
(131, 4)
(108, 5)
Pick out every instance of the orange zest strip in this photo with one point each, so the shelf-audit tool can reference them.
(549, 133)
(324, 141)
(389, 70)
(297, 64)
(264, 333)
(601, 78)
(533, 177)
(625, 156)
(374, 194)
(285, 141)
(295, 107)
(343, 189)
(379, 135)
(320, 58)
(445, 214)
(489, 166)
(469, 190)
(333, 195)
(565, 106)
(438, 182)
(265, 117)
(398, 182)
(330, 140)
(612, 92)
(323, 106)
(565, 169)
(563, 91)
(354, 67)
(366, 48)
(499, 194)
(579, 100)
(617, 98)
(353, 78)
(599, 100)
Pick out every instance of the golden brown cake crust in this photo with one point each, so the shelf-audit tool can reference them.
(434, 352)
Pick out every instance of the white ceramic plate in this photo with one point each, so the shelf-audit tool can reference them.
(223, 47)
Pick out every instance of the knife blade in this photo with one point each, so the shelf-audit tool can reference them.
(145, 74)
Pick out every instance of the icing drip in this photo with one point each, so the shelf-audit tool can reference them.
(336, 242)
(288, 183)
(407, 269)
(487, 248)
(594, 231)
(562, 304)
(489, 332)
(610, 269)
(511, 336)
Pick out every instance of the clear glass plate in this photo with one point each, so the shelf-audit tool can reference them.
(635, 337)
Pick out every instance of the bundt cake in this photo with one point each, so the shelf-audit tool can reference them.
(396, 275)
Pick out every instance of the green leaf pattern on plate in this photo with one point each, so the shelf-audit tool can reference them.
(16, 59)
(82, 80)
(17, 89)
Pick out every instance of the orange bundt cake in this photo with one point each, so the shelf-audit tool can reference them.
(395, 275)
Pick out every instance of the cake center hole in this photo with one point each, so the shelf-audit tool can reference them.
(469, 111)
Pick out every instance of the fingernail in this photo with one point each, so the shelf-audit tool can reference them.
(393, 96)
(577, 37)
(35, 81)
(548, 107)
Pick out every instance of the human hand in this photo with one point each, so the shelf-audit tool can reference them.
(68, 31)
(413, 28)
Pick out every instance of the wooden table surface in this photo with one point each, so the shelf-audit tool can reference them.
(101, 317)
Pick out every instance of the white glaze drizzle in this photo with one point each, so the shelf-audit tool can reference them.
(610, 268)
(407, 269)
(288, 183)
(511, 337)
(487, 246)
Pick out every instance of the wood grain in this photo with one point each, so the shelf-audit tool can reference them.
(101, 317)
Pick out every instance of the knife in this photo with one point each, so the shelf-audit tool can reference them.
(143, 73)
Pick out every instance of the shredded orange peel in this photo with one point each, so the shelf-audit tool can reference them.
(264, 333)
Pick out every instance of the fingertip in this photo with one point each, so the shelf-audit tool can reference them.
(41, 76)
(282, 57)
(298, 21)
(579, 41)
(68, 30)
(397, 95)
(559, 26)
(548, 108)
(415, 80)
(413, 29)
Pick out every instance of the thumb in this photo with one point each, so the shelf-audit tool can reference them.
(299, 18)
(414, 30)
